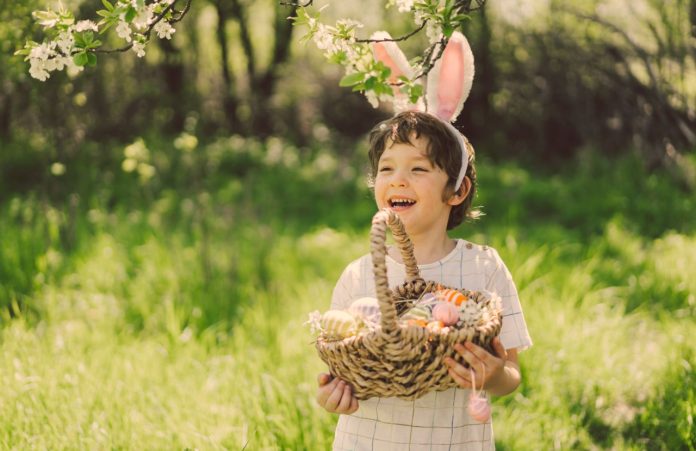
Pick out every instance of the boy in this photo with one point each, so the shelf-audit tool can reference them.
(419, 171)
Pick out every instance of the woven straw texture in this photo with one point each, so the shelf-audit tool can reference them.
(397, 360)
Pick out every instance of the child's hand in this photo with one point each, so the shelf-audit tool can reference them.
(488, 368)
(335, 396)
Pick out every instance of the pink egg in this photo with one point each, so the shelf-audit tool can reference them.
(479, 408)
(446, 312)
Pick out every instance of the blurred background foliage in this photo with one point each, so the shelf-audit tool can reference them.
(171, 221)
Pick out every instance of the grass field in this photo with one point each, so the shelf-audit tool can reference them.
(168, 314)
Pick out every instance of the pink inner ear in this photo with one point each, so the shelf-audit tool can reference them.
(451, 75)
(382, 55)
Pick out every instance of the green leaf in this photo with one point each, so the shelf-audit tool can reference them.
(370, 83)
(385, 72)
(130, 14)
(88, 37)
(47, 19)
(81, 59)
(447, 30)
(415, 93)
(351, 79)
(91, 59)
(108, 5)
(79, 40)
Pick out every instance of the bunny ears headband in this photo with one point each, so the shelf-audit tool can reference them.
(449, 83)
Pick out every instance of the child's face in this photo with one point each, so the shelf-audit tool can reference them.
(409, 183)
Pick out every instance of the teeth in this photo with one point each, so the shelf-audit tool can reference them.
(401, 202)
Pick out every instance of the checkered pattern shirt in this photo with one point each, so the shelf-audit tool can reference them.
(437, 420)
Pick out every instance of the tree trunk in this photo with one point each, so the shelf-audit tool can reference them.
(229, 101)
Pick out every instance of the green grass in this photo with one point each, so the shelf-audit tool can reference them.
(176, 322)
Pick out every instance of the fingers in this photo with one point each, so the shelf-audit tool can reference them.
(353, 405)
(337, 397)
(326, 391)
(323, 378)
(459, 373)
(478, 352)
(334, 398)
(499, 349)
(346, 399)
(461, 381)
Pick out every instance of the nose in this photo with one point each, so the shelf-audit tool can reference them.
(398, 179)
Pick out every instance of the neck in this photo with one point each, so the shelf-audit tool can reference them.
(427, 248)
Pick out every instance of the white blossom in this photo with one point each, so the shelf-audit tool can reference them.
(404, 5)
(42, 52)
(372, 98)
(323, 38)
(433, 31)
(144, 17)
(164, 30)
(123, 31)
(65, 41)
(38, 70)
(85, 25)
(139, 49)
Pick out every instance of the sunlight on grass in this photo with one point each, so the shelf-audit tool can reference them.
(158, 329)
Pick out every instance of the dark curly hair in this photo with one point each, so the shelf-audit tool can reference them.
(443, 152)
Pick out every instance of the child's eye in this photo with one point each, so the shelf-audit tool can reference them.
(384, 169)
(420, 169)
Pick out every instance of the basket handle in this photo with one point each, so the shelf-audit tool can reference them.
(378, 238)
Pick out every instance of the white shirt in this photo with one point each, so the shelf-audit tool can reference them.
(437, 420)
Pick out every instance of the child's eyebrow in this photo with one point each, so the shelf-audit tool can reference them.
(418, 158)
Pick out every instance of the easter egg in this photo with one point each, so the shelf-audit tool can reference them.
(453, 296)
(417, 322)
(435, 326)
(417, 313)
(446, 312)
(366, 309)
(469, 314)
(338, 324)
(479, 408)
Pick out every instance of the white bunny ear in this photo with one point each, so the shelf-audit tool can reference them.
(391, 55)
(450, 80)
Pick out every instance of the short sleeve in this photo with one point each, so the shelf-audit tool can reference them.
(514, 333)
(353, 283)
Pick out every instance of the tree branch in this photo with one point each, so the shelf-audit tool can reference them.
(149, 29)
(298, 4)
(401, 38)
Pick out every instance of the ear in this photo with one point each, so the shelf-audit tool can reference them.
(460, 196)
(391, 55)
(450, 80)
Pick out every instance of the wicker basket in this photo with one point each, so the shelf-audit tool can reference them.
(395, 359)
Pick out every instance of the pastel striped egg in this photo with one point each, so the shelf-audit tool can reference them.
(417, 313)
(453, 296)
(365, 309)
(338, 324)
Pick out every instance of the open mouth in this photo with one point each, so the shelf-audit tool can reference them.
(401, 203)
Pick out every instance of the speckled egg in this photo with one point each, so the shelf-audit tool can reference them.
(469, 314)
